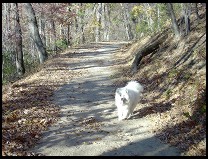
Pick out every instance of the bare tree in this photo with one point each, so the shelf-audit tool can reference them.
(18, 39)
(82, 38)
(196, 12)
(186, 14)
(108, 23)
(33, 27)
(5, 32)
(54, 37)
(173, 20)
(7, 28)
(98, 19)
(148, 16)
(42, 28)
(158, 17)
(126, 21)
(105, 21)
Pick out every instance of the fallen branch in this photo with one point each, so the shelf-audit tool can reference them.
(147, 49)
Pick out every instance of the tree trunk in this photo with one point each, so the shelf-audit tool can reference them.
(186, 18)
(126, 21)
(34, 32)
(61, 31)
(82, 38)
(148, 17)
(108, 23)
(104, 22)
(98, 19)
(54, 35)
(158, 18)
(173, 19)
(7, 11)
(19, 54)
(69, 42)
(2, 69)
(196, 12)
(42, 29)
(76, 24)
(7, 33)
(151, 47)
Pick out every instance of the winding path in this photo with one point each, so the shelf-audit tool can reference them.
(88, 125)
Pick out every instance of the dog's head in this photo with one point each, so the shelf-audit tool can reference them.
(123, 94)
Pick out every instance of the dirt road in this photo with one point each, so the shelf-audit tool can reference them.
(89, 125)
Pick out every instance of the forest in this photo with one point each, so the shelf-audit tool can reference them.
(163, 45)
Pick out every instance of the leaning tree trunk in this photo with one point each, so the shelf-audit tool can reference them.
(19, 54)
(33, 27)
(150, 48)
(173, 20)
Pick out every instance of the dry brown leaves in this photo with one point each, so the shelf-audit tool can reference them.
(27, 109)
(174, 98)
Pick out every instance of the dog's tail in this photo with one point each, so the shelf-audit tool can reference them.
(134, 85)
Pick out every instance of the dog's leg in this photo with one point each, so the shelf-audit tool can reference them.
(128, 115)
(119, 114)
(122, 114)
(132, 108)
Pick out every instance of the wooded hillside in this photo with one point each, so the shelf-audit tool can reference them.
(174, 74)
(166, 53)
(32, 32)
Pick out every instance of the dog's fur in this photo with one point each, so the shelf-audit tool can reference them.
(126, 99)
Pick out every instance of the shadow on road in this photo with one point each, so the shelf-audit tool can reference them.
(88, 123)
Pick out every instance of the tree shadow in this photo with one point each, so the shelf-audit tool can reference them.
(154, 107)
(192, 131)
(189, 52)
(88, 100)
(90, 54)
(145, 147)
(34, 98)
(189, 133)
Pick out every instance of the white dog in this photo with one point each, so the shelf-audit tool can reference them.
(126, 99)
